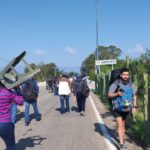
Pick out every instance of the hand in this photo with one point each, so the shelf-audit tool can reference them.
(119, 93)
(134, 110)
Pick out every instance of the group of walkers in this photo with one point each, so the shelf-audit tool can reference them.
(76, 85)
(9, 99)
(121, 93)
(52, 85)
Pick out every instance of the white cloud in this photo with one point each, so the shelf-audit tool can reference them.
(40, 52)
(135, 51)
(70, 50)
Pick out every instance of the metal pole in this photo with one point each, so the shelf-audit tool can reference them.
(97, 58)
(97, 67)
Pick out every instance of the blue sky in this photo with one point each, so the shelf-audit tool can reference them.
(64, 31)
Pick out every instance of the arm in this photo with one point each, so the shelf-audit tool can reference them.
(16, 98)
(36, 87)
(112, 93)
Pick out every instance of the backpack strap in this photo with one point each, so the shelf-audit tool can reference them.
(117, 83)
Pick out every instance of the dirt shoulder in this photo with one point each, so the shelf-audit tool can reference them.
(109, 120)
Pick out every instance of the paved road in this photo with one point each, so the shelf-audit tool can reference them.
(56, 131)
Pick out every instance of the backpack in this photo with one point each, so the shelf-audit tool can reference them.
(85, 90)
(29, 92)
(123, 103)
(115, 75)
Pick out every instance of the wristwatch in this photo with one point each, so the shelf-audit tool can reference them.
(135, 107)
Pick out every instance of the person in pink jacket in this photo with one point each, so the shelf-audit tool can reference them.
(7, 97)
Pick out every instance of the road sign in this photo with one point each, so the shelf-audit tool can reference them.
(105, 62)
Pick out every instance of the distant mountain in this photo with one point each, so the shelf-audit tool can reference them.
(69, 69)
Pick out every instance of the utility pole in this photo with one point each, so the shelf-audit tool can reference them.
(96, 53)
(97, 67)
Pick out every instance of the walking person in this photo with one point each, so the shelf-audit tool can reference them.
(64, 91)
(30, 90)
(81, 91)
(123, 95)
(7, 97)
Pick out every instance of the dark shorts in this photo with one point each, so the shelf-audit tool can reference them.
(120, 114)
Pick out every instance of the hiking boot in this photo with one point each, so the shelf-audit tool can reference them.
(26, 123)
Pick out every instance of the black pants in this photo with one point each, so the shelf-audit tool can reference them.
(81, 102)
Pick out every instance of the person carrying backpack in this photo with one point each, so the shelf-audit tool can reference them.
(123, 95)
(30, 91)
(82, 92)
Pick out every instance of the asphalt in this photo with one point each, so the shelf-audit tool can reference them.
(56, 131)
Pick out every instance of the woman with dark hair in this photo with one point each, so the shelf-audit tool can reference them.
(7, 97)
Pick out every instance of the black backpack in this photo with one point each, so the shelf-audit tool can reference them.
(29, 92)
(85, 89)
(115, 75)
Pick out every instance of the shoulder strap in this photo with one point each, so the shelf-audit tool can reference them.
(117, 82)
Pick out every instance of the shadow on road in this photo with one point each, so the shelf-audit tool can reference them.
(29, 142)
(58, 109)
(100, 128)
(21, 115)
(113, 132)
(74, 108)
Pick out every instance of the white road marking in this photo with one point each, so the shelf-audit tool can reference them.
(107, 137)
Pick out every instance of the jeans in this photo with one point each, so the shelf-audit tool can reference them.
(7, 134)
(27, 107)
(13, 113)
(63, 99)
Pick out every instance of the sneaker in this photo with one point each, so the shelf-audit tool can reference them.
(38, 118)
(122, 147)
(82, 113)
(26, 123)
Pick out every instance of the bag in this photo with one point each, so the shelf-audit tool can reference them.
(29, 92)
(123, 103)
(85, 90)
(115, 75)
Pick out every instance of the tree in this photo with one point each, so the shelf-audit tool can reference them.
(110, 52)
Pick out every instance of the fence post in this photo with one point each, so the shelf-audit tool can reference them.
(145, 76)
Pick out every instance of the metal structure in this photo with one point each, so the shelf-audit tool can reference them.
(97, 68)
(9, 76)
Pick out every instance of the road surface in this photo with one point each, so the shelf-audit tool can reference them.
(56, 131)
